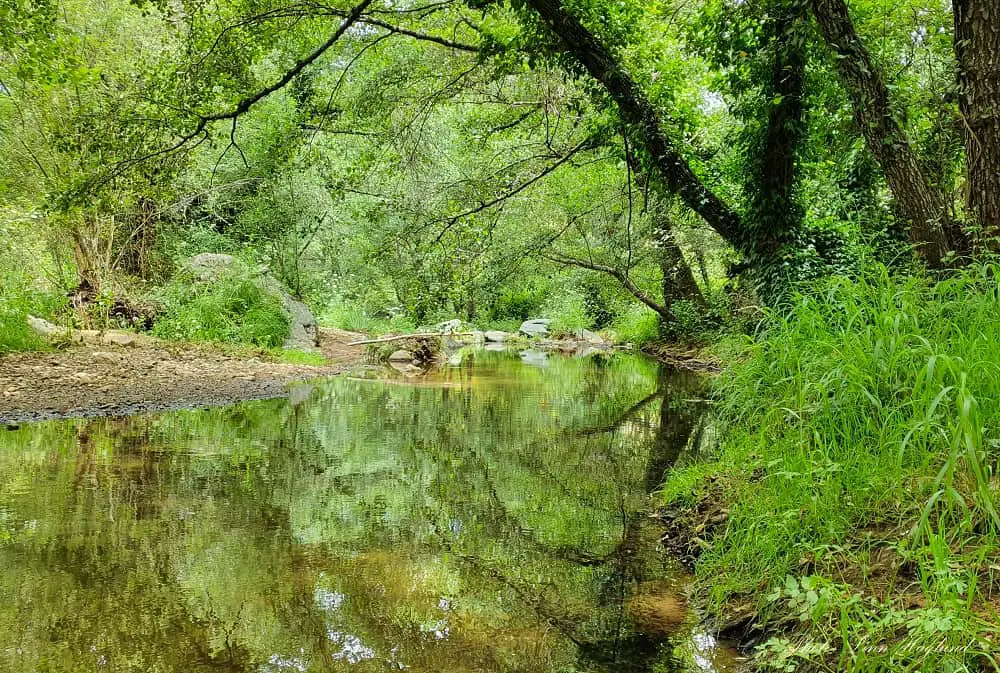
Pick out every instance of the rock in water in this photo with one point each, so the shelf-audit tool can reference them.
(588, 336)
(536, 327)
(495, 336)
(401, 356)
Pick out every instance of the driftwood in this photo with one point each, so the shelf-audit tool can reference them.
(401, 337)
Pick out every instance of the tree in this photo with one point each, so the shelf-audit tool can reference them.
(882, 124)
(977, 49)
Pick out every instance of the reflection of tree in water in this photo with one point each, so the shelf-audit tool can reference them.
(218, 538)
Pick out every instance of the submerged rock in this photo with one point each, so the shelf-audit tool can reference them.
(658, 608)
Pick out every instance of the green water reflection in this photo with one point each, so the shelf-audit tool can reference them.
(491, 518)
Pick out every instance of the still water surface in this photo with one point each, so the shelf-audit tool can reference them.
(493, 517)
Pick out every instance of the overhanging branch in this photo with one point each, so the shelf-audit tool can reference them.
(618, 275)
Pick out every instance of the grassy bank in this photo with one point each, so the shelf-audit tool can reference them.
(852, 503)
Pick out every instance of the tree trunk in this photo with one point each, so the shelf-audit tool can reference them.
(776, 213)
(917, 201)
(678, 281)
(665, 161)
(977, 49)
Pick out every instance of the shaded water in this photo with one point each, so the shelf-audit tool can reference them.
(492, 518)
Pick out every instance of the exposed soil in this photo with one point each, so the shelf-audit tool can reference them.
(110, 380)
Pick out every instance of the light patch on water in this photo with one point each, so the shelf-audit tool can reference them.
(277, 662)
(352, 650)
(330, 601)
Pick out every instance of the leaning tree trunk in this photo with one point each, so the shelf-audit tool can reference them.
(977, 49)
(678, 280)
(917, 201)
(667, 164)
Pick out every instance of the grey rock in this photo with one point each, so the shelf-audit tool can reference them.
(401, 356)
(210, 265)
(588, 336)
(495, 336)
(450, 326)
(535, 327)
(105, 357)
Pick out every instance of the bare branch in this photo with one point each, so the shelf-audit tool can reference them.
(617, 274)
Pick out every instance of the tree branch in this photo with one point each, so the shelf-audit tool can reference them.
(617, 274)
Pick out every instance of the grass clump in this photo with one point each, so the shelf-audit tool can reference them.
(17, 301)
(858, 471)
(232, 309)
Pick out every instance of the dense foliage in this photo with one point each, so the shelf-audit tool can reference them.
(661, 170)
(403, 164)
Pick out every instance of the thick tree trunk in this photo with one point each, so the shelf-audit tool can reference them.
(667, 164)
(977, 49)
(917, 201)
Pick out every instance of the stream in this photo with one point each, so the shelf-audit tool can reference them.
(490, 516)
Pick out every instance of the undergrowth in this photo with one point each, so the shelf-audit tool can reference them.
(17, 301)
(858, 470)
(232, 310)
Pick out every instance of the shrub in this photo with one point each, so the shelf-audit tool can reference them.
(638, 325)
(231, 310)
(16, 302)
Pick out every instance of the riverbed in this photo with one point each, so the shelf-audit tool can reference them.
(489, 516)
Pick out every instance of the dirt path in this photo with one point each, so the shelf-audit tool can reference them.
(112, 380)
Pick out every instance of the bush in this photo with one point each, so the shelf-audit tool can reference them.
(232, 310)
(16, 302)
(638, 325)
(517, 304)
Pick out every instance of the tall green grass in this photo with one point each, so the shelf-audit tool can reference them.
(858, 467)
(233, 310)
(17, 300)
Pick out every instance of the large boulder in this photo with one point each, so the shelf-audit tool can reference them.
(208, 266)
(535, 327)
(303, 332)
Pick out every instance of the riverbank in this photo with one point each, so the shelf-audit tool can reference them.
(846, 515)
(152, 375)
